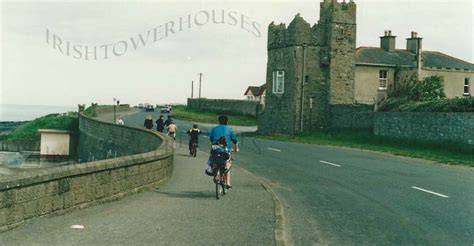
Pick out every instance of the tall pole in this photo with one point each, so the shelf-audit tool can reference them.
(200, 76)
(302, 88)
(310, 114)
(192, 88)
(115, 119)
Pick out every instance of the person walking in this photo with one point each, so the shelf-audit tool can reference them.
(160, 125)
(120, 121)
(148, 122)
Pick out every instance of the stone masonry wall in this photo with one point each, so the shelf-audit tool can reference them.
(101, 140)
(279, 115)
(226, 105)
(431, 126)
(352, 116)
(63, 189)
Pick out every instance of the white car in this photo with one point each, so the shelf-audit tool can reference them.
(165, 109)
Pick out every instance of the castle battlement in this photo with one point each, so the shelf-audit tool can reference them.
(310, 63)
(299, 32)
(339, 12)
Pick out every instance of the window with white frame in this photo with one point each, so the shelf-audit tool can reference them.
(278, 82)
(466, 87)
(383, 79)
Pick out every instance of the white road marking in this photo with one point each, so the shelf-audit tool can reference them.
(329, 163)
(77, 227)
(277, 150)
(431, 192)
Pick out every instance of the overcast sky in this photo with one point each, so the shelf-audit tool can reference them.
(231, 57)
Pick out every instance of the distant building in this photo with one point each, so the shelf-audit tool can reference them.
(378, 67)
(316, 78)
(256, 93)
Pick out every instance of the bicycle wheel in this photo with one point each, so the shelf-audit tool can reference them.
(218, 187)
(194, 150)
(224, 187)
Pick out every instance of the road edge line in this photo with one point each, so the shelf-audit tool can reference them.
(281, 237)
(281, 227)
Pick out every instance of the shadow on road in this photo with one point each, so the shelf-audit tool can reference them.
(188, 194)
(185, 155)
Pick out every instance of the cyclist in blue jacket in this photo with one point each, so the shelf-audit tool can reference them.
(222, 130)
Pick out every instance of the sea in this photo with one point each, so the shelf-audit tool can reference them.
(10, 112)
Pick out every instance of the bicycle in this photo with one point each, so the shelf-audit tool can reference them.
(193, 150)
(219, 179)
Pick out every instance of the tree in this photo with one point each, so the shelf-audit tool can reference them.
(430, 88)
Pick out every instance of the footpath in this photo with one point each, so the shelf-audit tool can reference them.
(183, 211)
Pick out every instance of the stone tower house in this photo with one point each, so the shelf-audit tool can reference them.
(310, 69)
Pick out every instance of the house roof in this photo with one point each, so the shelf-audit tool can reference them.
(438, 59)
(256, 90)
(379, 56)
(373, 55)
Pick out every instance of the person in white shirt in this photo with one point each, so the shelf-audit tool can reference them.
(120, 121)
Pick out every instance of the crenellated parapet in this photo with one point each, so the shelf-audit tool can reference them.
(338, 12)
(299, 32)
(276, 35)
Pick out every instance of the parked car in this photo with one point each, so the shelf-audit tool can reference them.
(149, 108)
(165, 109)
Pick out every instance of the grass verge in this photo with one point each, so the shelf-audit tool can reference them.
(183, 113)
(29, 130)
(447, 153)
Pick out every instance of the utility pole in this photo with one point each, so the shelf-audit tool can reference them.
(200, 76)
(115, 114)
(303, 81)
(310, 114)
(192, 88)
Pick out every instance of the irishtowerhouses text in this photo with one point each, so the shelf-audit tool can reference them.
(132, 43)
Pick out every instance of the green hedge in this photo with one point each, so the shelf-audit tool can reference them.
(29, 131)
(465, 104)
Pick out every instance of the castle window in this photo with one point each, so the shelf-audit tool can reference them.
(278, 82)
(383, 78)
(466, 87)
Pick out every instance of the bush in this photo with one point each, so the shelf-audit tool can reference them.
(408, 94)
(441, 105)
(29, 131)
(430, 88)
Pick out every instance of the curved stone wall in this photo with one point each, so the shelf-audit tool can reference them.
(61, 189)
(100, 140)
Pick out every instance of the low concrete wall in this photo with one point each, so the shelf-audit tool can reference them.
(431, 126)
(351, 116)
(226, 105)
(17, 146)
(63, 189)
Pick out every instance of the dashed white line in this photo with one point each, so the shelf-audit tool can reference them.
(431, 192)
(329, 163)
(277, 150)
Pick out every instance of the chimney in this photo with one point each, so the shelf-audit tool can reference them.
(414, 43)
(387, 42)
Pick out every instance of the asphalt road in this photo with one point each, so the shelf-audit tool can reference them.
(344, 196)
